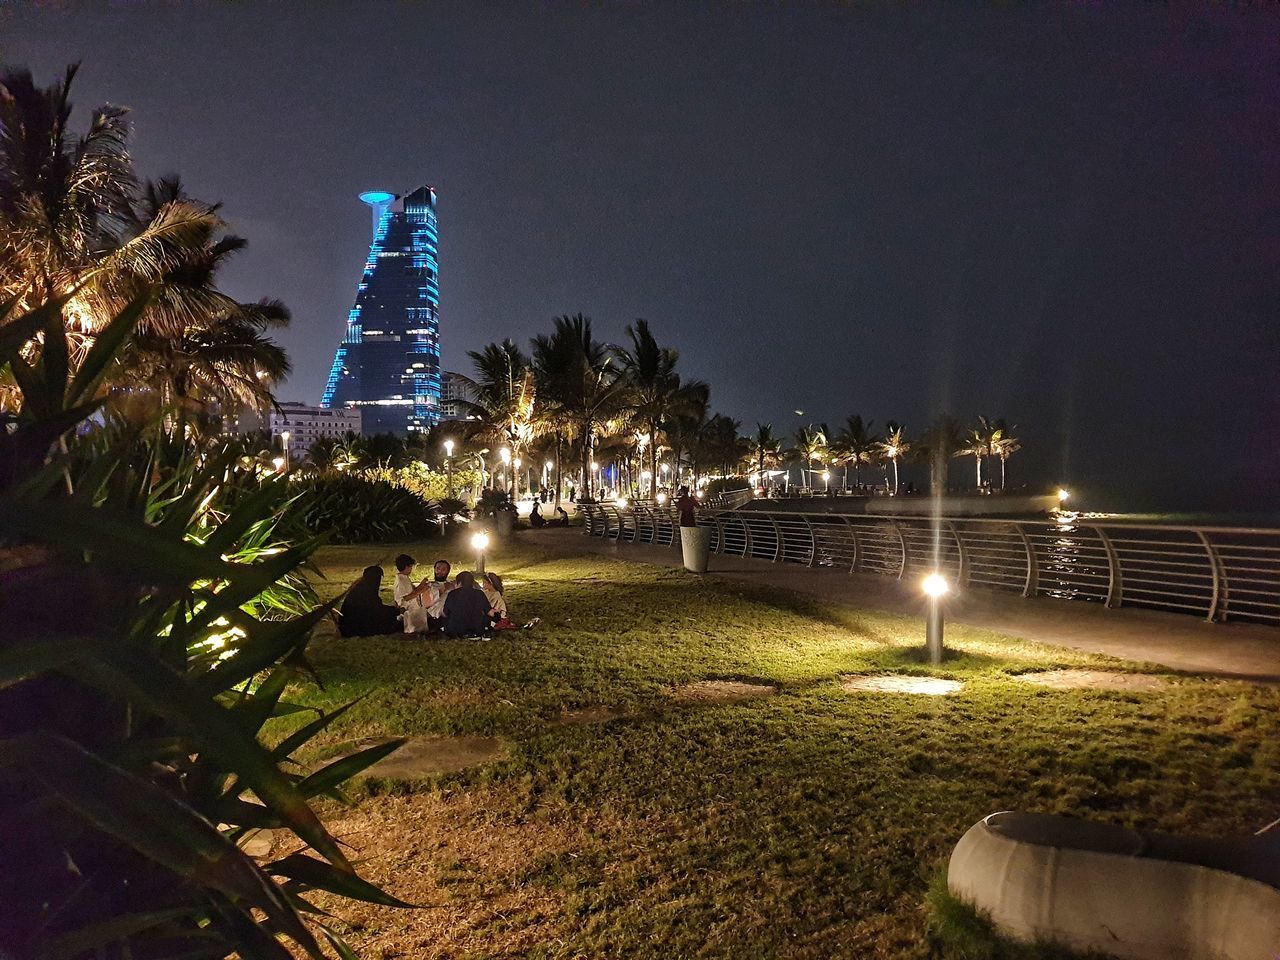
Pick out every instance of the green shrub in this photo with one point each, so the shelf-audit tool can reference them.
(352, 508)
(138, 668)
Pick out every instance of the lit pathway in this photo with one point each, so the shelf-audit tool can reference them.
(1232, 650)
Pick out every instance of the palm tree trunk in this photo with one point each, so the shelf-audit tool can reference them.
(895, 476)
(653, 461)
(586, 460)
(558, 440)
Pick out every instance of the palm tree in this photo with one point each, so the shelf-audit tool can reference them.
(893, 447)
(978, 443)
(582, 382)
(855, 444)
(655, 393)
(811, 445)
(504, 394)
(1004, 445)
(74, 222)
(941, 441)
(766, 449)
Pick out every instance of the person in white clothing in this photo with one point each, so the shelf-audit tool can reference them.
(435, 593)
(410, 598)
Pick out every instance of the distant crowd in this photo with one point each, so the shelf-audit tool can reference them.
(469, 605)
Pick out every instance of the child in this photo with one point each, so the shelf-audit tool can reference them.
(409, 598)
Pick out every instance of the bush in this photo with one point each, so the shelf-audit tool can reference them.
(432, 485)
(723, 485)
(137, 671)
(352, 508)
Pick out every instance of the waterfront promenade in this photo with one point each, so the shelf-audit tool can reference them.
(1238, 651)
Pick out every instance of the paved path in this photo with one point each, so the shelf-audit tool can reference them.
(1230, 650)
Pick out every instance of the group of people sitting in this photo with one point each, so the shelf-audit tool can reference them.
(536, 519)
(470, 605)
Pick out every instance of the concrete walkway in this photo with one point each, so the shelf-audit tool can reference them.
(1234, 651)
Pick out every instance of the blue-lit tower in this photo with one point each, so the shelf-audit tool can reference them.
(388, 364)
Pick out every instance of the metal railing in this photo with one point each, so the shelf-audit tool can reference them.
(1218, 573)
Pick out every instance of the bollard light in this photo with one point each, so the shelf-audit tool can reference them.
(662, 499)
(622, 503)
(480, 543)
(935, 587)
(1063, 494)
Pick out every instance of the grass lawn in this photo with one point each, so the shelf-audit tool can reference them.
(806, 824)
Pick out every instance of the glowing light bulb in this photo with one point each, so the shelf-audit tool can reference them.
(480, 542)
(935, 585)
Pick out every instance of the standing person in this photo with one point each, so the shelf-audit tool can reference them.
(408, 597)
(438, 589)
(687, 504)
(363, 612)
(466, 609)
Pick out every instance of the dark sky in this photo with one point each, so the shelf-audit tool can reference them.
(1066, 215)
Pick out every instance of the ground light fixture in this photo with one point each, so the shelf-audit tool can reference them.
(622, 503)
(935, 587)
(480, 543)
(662, 499)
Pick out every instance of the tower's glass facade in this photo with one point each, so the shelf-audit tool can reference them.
(388, 364)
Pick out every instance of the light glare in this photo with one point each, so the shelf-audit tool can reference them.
(935, 585)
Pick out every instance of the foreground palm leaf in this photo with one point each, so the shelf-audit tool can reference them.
(155, 614)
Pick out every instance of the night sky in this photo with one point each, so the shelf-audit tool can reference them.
(1066, 215)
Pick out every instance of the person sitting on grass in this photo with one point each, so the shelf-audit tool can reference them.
(491, 586)
(363, 612)
(536, 519)
(437, 590)
(563, 520)
(409, 598)
(466, 608)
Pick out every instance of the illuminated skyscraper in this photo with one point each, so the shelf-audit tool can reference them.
(388, 364)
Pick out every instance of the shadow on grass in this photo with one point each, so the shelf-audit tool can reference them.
(961, 932)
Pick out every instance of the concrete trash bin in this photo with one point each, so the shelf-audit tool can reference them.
(696, 544)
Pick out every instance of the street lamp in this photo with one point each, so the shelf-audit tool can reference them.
(278, 463)
(826, 481)
(284, 436)
(448, 464)
(935, 587)
(1063, 495)
(480, 543)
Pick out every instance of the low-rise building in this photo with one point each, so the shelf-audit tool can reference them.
(306, 424)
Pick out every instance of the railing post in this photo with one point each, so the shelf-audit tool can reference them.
(1115, 580)
(813, 542)
(1032, 584)
(902, 545)
(777, 535)
(719, 534)
(853, 535)
(746, 528)
(604, 515)
(962, 574)
(1218, 604)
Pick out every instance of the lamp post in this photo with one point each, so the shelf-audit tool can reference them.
(278, 463)
(935, 587)
(448, 464)
(826, 481)
(284, 437)
(480, 543)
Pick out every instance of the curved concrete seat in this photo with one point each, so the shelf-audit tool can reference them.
(1093, 886)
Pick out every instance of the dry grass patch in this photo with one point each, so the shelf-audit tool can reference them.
(1093, 680)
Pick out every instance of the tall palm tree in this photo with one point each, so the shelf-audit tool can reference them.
(582, 382)
(978, 442)
(73, 221)
(1005, 445)
(766, 449)
(855, 444)
(943, 439)
(811, 446)
(504, 396)
(655, 393)
(894, 446)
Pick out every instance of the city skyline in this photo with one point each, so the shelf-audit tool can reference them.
(1067, 219)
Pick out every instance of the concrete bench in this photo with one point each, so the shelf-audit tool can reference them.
(1097, 887)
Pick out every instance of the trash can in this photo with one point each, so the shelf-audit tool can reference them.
(696, 544)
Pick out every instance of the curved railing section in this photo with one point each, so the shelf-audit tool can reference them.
(1219, 573)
